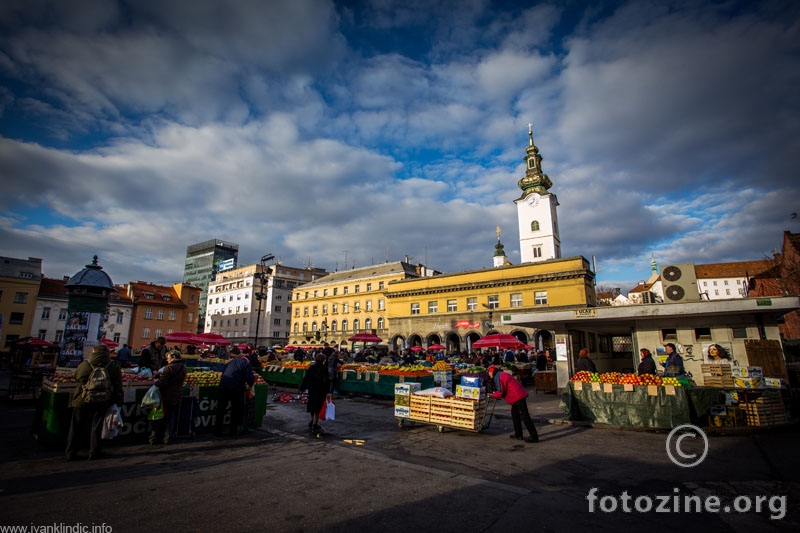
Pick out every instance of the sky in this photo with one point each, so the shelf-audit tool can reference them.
(341, 134)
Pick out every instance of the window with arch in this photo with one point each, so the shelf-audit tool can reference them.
(333, 326)
(535, 225)
(380, 322)
(344, 325)
(356, 324)
(305, 326)
(313, 326)
(367, 323)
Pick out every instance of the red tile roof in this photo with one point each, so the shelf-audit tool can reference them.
(160, 295)
(52, 288)
(736, 269)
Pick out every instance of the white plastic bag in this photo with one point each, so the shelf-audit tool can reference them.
(145, 372)
(152, 398)
(330, 410)
(112, 423)
(438, 392)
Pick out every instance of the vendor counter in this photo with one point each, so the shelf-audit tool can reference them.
(350, 381)
(662, 407)
(53, 413)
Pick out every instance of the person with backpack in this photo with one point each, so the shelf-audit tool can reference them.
(170, 386)
(99, 386)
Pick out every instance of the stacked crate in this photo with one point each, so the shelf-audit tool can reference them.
(467, 413)
(762, 408)
(715, 375)
(420, 408)
(441, 410)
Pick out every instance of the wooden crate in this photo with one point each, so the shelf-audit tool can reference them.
(420, 408)
(722, 382)
(716, 369)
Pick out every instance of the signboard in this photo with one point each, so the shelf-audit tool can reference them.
(586, 313)
(763, 301)
(561, 349)
(226, 265)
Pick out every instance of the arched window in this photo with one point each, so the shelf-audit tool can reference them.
(535, 225)
(344, 325)
(356, 324)
(333, 326)
(296, 327)
(367, 323)
(313, 326)
(380, 322)
(305, 326)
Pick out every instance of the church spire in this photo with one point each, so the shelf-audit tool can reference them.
(535, 180)
(500, 258)
(653, 266)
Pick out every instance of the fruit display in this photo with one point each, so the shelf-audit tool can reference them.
(296, 364)
(586, 377)
(618, 378)
(408, 370)
(441, 365)
(132, 377)
(203, 378)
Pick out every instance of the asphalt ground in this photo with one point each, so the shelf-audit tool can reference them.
(369, 474)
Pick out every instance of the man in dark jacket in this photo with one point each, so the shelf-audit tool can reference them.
(153, 357)
(170, 385)
(238, 374)
(87, 418)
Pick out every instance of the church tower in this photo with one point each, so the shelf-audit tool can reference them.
(537, 210)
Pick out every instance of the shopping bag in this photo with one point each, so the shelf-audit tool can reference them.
(112, 423)
(330, 410)
(145, 372)
(152, 398)
(322, 411)
(250, 391)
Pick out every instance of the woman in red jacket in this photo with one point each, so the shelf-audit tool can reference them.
(508, 388)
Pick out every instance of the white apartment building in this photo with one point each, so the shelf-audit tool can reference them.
(723, 281)
(232, 306)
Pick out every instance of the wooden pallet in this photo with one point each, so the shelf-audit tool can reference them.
(716, 370)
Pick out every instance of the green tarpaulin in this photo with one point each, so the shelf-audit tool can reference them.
(646, 407)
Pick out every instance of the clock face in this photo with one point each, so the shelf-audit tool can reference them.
(533, 200)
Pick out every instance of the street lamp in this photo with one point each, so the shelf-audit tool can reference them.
(325, 329)
(261, 295)
(491, 311)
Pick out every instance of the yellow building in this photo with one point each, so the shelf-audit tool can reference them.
(19, 288)
(457, 309)
(339, 305)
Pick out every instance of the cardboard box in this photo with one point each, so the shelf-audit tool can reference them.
(747, 383)
(401, 411)
(406, 389)
(475, 393)
(774, 383)
(747, 372)
(443, 378)
(402, 400)
(471, 381)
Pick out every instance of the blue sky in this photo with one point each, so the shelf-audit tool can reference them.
(321, 131)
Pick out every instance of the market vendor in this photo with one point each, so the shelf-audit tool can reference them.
(673, 366)
(647, 365)
(509, 389)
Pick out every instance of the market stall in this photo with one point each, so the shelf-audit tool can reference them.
(654, 402)
(53, 413)
(465, 410)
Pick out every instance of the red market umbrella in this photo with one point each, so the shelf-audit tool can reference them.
(436, 347)
(181, 337)
(34, 342)
(109, 343)
(364, 337)
(211, 338)
(416, 348)
(498, 340)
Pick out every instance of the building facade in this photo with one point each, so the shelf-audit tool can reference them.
(19, 287)
(457, 309)
(337, 306)
(203, 262)
(723, 281)
(51, 310)
(158, 310)
(117, 325)
(232, 305)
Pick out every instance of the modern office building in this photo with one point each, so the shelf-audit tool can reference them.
(203, 261)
